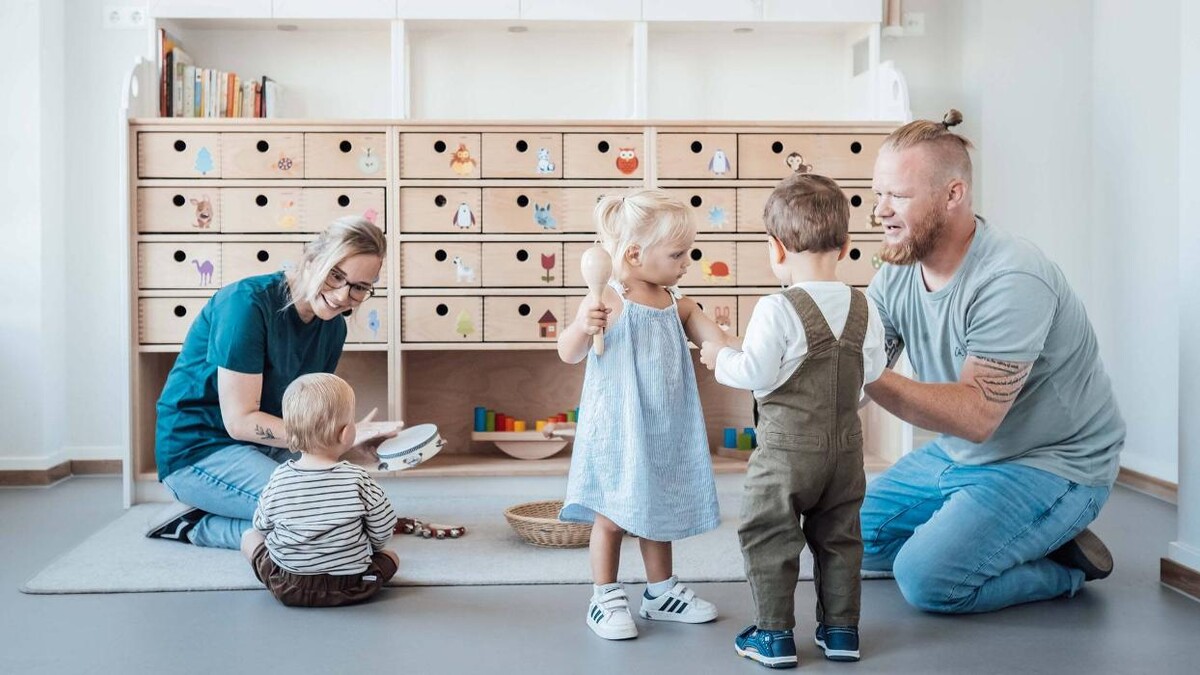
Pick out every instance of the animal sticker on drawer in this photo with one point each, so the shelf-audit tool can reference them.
(543, 217)
(461, 162)
(627, 160)
(795, 162)
(204, 212)
(719, 164)
(204, 268)
(715, 271)
(464, 217)
(463, 273)
(368, 163)
(544, 165)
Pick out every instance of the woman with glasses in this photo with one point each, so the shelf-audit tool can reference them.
(219, 434)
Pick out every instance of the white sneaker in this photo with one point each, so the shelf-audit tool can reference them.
(609, 617)
(678, 604)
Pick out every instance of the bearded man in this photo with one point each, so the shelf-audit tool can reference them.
(1007, 369)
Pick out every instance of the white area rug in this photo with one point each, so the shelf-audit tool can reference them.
(120, 559)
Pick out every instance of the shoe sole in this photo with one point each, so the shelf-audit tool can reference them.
(837, 654)
(613, 634)
(655, 615)
(1087, 553)
(768, 661)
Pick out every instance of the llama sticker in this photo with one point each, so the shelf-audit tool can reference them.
(205, 270)
(463, 273)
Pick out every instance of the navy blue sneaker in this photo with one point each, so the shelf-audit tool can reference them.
(772, 648)
(839, 642)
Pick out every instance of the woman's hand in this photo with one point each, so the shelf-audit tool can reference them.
(368, 435)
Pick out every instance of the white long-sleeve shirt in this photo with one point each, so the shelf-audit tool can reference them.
(775, 343)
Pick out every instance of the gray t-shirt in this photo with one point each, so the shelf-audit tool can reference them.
(1007, 301)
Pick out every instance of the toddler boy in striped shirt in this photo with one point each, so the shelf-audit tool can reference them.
(321, 523)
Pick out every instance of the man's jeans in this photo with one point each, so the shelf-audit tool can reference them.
(227, 485)
(973, 538)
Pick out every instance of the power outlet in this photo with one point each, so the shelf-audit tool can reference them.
(914, 23)
(124, 16)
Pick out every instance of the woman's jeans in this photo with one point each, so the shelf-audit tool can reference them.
(962, 538)
(226, 484)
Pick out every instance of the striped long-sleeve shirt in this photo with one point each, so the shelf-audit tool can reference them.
(324, 521)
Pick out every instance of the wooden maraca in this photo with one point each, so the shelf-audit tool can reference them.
(597, 269)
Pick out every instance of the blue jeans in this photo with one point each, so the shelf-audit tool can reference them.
(227, 485)
(965, 539)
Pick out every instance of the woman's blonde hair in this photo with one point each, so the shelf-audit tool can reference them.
(641, 218)
(344, 238)
(315, 408)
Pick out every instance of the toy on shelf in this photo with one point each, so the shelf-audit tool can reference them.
(596, 266)
(738, 445)
(515, 438)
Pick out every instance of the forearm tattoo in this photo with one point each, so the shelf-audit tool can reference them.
(264, 433)
(1000, 381)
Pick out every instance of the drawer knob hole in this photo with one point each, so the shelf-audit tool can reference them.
(178, 200)
(523, 310)
(522, 255)
(261, 200)
(696, 201)
(343, 201)
(856, 147)
(522, 201)
(180, 256)
(440, 200)
(442, 310)
(180, 311)
(522, 146)
(855, 254)
(439, 147)
(697, 254)
(345, 146)
(777, 147)
(262, 146)
(440, 255)
(263, 256)
(180, 146)
(856, 201)
(602, 146)
(697, 147)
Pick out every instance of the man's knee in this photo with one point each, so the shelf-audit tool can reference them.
(927, 585)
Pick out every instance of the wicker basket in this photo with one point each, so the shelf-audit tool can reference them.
(538, 523)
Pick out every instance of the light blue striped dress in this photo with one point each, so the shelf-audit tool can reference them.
(641, 456)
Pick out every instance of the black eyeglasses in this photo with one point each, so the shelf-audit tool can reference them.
(336, 279)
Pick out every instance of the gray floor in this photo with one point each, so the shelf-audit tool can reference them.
(1125, 624)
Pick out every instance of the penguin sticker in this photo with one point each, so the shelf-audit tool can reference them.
(463, 219)
(719, 164)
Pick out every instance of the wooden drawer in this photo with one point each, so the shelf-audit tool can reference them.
(442, 319)
(713, 209)
(264, 209)
(194, 210)
(248, 259)
(435, 155)
(525, 210)
(517, 319)
(833, 155)
(166, 321)
(369, 322)
(572, 263)
(523, 155)
(333, 155)
(860, 265)
(697, 156)
(755, 265)
(179, 155)
(322, 206)
(745, 308)
(179, 265)
(603, 155)
(862, 203)
(522, 264)
(713, 264)
(440, 264)
(750, 204)
(441, 210)
(719, 308)
(262, 155)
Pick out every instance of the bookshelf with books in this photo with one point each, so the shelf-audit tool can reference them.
(189, 90)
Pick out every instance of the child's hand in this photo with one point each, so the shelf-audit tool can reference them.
(709, 351)
(597, 317)
(558, 429)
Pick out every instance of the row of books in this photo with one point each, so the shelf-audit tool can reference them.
(191, 91)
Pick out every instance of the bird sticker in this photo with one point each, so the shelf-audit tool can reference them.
(627, 160)
(464, 218)
(462, 163)
(719, 164)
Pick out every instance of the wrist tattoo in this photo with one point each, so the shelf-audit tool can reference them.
(264, 433)
(1001, 381)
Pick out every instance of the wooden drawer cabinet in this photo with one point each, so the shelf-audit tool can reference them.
(441, 210)
(697, 156)
(179, 155)
(603, 155)
(862, 204)
(334, 155)
(754, 268)
(166, 320)
(525, 264)
(441, 319)
(179, 265)
(720, 308)
(369, 323)
(713, 264)
(440, 264)
(437, 155)
(523, 155)
(322, 206)
(276, 210)
(835, 155)
(184, 209)
(248, 259)
(860, 265)
(523, 319)
(262, 155)
(713, 209)
(572, 259)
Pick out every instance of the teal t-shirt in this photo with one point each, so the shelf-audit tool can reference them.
(1007, 301)
(244, 328)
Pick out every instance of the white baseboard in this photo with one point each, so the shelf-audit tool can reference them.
(1185, 554)
(42, 463)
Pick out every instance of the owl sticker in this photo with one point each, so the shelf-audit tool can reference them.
(462, 163)
(719, 164)
(464, 218)
(627, 160)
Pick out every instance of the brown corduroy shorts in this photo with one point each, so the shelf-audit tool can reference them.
(321, 590)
